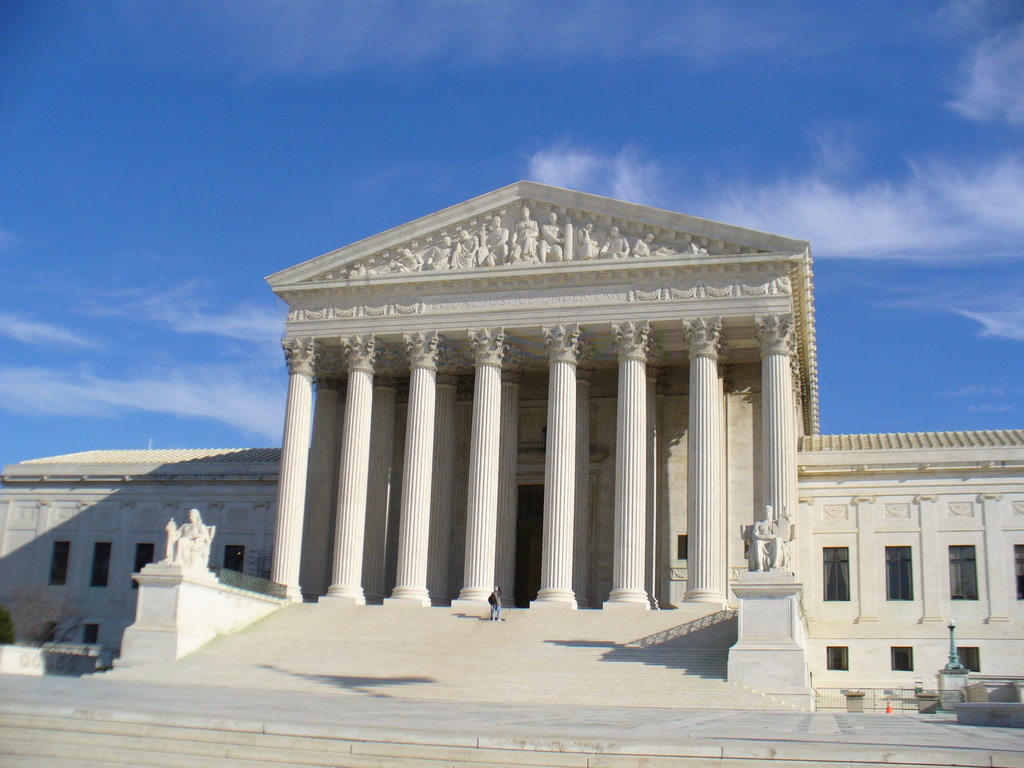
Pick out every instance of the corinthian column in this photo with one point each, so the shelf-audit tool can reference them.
(705, 517)
(414, 522)
(441, 492)
(632, 340)
(778, 420)
(321, 487)
(508, 502)
(482, 502)
(300, 355)
(346, 579)
(563, 343)
(581, 528)
(378, 487)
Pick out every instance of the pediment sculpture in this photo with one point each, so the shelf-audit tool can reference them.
(523, 236)
(769, 541)
(188, 545)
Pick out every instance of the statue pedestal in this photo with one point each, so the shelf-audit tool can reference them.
(172, 616)
(769, 654)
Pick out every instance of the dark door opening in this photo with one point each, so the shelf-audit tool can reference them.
(529, 538)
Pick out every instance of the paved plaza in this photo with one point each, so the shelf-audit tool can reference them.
(717, 737)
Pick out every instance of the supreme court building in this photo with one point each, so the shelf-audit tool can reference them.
(588, 403)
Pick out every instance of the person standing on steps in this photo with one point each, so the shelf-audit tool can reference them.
(494, 600)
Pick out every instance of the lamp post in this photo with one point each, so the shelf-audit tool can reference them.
(954, 664)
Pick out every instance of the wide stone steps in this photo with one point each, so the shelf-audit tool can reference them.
(671, 658)
(84, 741)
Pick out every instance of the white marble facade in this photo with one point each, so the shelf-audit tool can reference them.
(446, 372)
(587, 402)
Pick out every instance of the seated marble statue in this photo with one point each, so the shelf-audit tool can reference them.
(189, 544)
(769, 545)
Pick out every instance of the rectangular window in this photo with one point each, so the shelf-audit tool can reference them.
(59, 562)
(683, 547)
(91, 634)
(145, 552)
(234, 557)
(100, 564)
(969, 657)
(902, 657)
(963, 573)
(899, 583)
(837, 657)
(1018, 558)
(837, 573)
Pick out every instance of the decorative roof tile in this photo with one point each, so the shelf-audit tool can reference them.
(992, 438)
(166, 456)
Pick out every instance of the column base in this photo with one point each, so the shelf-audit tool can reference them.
(293, 593)
(474, 593)
(627, 598)
(547, 603)
(471, 605)
(703, 596)
(344, 595)
(407, 602)
(629, 605)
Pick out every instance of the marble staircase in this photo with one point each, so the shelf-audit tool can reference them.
(672, 658)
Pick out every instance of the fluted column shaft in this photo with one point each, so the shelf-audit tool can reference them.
(508, 490)
(705, 516)
(291, 492)
(321, 488)
(778, 428)
(441, 492)
(484, 448)
(346, 581)
(652, 486)
(581, 528)
(378, 489)
(414, 523)
(632, 341)
(560, 467)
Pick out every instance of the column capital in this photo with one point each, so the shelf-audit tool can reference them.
(703, 336)
(923, 497)
(488, 345)
(423, 348)
(300, 354)
(360, 351)
(775, 332)
(563, 342)
(632, 339)
(445, 379)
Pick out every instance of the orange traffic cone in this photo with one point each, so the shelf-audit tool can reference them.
(888, 707)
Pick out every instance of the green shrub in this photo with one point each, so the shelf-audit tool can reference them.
(6, 627)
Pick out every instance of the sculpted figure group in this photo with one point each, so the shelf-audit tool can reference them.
(769, 542)
(527, 242)
(188, 545)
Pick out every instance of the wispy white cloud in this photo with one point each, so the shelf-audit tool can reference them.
(992, 79)
(623, 175)
(182, 310)
(936, 212)
(217, 393)
(326, 36)
(1007, 324)
(41, 334)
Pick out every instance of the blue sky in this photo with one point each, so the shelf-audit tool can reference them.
(158, 159)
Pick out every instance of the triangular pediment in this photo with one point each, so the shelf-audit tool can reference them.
(528, 224)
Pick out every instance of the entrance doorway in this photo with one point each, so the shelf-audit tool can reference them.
(529, 538)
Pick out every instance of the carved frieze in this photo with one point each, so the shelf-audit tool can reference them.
(897, 510)
(344, 313)
(960, 509)
(535, 233)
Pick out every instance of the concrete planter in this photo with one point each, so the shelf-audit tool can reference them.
(927, 703)
(855, 701)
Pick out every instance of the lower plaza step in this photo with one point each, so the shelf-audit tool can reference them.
(623, 658)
